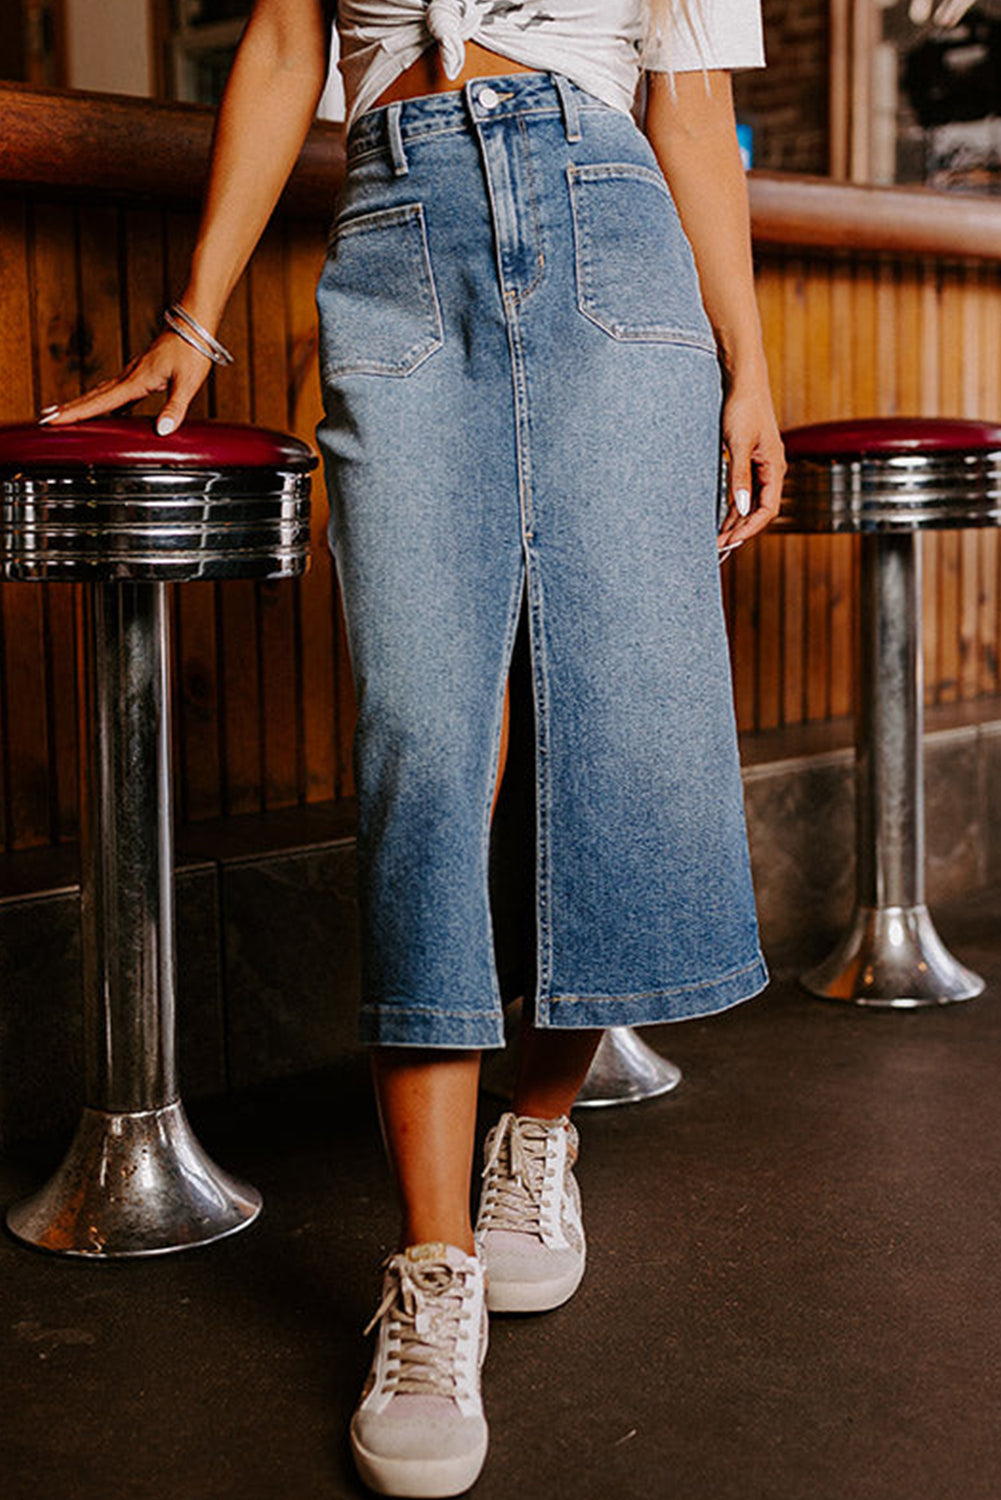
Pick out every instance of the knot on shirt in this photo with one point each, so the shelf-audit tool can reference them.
(452, 23)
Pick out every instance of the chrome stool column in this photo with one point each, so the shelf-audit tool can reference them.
(112, 506)
(890, 479)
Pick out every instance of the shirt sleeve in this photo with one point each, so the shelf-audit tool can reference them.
(697, 34)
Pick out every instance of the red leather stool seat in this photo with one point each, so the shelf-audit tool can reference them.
(886, 436)
(111, 500)
(892, 474)
(133, 443)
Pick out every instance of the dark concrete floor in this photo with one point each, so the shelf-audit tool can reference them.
(793, 1291)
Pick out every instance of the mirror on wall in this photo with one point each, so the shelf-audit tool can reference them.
(936, 95)
(167, 49)
(916, 93)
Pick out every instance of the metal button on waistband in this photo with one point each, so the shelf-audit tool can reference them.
(488, 98)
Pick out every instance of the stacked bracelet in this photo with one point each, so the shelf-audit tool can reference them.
(180, 321)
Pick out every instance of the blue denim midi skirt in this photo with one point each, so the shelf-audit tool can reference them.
(522, 400)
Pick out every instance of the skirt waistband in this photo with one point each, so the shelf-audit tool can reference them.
(481, 99)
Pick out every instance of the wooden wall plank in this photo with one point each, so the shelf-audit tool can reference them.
(273, 364)
(989, 297)
(969, 541)
(60, 341)
(317, 616)
(237, 617)
(817, 407)
(197, 768)
(795, 353)
(144, 287)
(841, 401)
(771, 549)
(950, 361)
(26, 801)
(929, 405)
(100, 230)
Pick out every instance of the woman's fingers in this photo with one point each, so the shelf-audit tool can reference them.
(741, 493)
(175, 409)
(168, 365)
(104, 398)
(757, 470)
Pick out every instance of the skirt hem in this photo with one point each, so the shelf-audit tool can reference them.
(421, 1026)
(685, 1003)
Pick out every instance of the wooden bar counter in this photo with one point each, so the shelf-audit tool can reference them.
(872, 300)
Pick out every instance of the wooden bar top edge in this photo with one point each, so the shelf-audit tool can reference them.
(814, 211)
(115, 143)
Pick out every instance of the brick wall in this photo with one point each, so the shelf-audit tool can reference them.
(786, 102)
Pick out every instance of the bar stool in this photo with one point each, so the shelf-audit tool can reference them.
(890, 479)
(111, 505)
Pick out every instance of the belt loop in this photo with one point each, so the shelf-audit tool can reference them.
(568, 104)
(395, 136)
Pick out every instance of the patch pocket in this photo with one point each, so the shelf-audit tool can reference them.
(636, 274)
(379, 310)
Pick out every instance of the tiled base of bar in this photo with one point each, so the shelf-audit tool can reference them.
(267, 942)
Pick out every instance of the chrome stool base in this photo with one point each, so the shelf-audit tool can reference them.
(626, 1070)
(892, 956)
(134, 1184)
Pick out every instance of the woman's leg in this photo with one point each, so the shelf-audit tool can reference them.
(552, 1065)
(427, 1105)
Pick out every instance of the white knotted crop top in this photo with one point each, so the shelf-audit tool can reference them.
(599, 44)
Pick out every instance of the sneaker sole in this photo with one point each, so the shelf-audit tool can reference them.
(532, 1296)
(419, 1479)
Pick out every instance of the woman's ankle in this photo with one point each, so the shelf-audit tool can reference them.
(437, 1230)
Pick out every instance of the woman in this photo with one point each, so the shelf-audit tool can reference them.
(523, 371)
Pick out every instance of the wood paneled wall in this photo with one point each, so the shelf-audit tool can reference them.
(864, 336)
(263, 704)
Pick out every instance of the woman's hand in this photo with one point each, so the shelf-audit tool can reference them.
(757, 463)
(271, 96)
(169, 364)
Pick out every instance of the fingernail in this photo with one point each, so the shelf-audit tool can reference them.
(743, 502)
(165, 426)
(47, 414)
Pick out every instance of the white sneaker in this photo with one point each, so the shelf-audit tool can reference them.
(529, 1233)
(419, 1428)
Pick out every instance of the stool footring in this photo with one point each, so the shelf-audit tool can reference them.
(892, 956)
(134, 1184)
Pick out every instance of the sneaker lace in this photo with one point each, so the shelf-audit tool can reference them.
(427, 1303)
(515, 1177)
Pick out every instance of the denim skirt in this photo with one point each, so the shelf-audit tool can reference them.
(522, 400)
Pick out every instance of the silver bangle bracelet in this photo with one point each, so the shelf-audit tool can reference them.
(180, 321)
